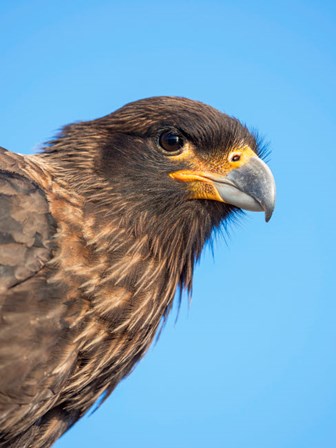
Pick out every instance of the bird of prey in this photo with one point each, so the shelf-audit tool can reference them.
(97, 233)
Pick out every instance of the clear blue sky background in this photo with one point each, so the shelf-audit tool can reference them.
(252, 363)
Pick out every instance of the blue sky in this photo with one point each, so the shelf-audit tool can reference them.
(252, 362)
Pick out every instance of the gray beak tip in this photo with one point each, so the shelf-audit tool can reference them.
(250, 187)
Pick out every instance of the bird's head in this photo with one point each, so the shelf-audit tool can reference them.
(169, 144)
(164, 152)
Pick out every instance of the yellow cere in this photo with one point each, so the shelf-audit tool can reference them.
(245, 154)
(200, 185)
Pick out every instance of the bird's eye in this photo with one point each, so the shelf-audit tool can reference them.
(171, 142)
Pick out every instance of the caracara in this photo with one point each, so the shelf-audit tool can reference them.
(97, 232)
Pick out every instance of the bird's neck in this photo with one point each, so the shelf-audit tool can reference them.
(143, 258)
(133, 280)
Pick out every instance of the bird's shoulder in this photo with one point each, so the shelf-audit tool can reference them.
(26, 226)
(39, 306)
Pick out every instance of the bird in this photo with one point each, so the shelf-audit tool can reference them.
(99, 231)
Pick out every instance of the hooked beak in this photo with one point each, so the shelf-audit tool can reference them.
(251, 186)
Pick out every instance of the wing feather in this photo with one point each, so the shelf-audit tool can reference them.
(26, 229)
(33, 329)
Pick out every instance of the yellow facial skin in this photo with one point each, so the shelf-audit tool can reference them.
(203, 172)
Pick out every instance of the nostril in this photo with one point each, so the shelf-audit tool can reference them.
(235, 158)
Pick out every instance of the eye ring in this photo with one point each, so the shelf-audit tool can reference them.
(171, 142)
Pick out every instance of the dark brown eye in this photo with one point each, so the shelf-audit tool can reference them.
(171, 142)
